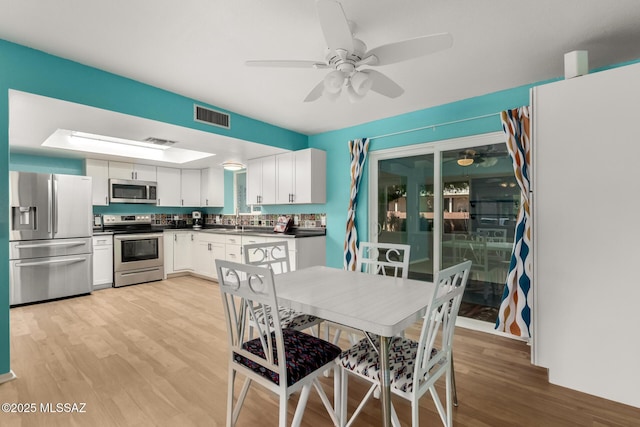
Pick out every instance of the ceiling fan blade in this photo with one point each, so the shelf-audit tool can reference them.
(383, 84)
(315, 93)
(335, 26)
(413, 48)
(286, 64)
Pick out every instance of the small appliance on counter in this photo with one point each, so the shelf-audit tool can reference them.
(283, 224)
(97, 223)
(197, 220)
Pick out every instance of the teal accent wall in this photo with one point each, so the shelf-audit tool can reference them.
(44, 164)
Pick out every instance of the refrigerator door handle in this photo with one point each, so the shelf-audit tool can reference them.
(54, 211)
(48, 245)
(49, 206)
(53, 261)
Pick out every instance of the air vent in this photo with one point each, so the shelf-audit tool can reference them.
(212, 117)
(160, 141)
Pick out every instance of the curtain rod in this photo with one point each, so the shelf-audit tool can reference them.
(434, 126)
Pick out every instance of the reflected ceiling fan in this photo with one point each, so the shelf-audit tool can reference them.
(346, 55)
(486, 157)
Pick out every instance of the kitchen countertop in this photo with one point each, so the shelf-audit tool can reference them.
(262, 231)
(102, 233)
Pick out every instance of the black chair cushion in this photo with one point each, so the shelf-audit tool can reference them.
(304, 354)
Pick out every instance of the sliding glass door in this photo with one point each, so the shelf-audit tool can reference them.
(405, 208)
(451, 201)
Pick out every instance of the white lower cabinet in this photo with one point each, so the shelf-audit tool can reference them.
(196, 251)
(178, 251)
(102, 261)
(209, 247)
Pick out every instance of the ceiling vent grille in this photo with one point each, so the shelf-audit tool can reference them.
(211, 117)
(160, 141)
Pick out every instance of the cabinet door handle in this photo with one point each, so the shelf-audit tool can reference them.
(175, 237)
(106, 200)
(192, 237)
(206, 202)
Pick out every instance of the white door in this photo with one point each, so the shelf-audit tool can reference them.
(190, 187)
(286, 178)
(168, 190)
(98, 170)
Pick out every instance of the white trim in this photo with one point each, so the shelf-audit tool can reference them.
(482, 326)
(7, 377)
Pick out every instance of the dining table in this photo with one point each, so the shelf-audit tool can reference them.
(378, 305)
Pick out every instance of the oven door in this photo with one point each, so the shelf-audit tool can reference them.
(137, 251)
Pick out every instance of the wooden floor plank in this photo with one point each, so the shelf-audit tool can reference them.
(156, 355)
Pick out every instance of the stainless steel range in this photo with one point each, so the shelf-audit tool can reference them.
(137, 249)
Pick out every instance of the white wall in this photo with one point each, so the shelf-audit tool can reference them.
(586, 215)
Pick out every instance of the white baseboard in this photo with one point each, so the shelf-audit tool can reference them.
(488, 327)
(7, 377)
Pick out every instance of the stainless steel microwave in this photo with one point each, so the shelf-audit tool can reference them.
(129, 191)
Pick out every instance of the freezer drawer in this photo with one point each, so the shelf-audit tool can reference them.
(40, 279)
(49, 248)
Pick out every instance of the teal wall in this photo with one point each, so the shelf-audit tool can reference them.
(32, 71)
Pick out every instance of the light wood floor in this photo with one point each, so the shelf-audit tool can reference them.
(155, 355)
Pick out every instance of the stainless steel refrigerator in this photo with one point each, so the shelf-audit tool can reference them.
(50, 230)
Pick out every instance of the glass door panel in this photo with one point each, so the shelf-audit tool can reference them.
(405, 209)
(480, 206)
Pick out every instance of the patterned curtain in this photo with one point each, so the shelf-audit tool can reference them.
(358, 149)
(514, 316)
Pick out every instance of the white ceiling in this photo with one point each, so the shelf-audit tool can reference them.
(197, 48)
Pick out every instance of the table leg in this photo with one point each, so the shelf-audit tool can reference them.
(385, 380)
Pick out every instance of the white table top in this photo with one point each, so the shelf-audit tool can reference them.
(381, 305)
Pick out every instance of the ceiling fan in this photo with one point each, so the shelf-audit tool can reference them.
(347, 54)
(485, 158)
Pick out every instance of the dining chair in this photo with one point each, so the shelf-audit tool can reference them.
(387, 259)
(415, 366)
(284, 361)
(275, 255)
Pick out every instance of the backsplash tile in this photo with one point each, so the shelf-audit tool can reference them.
(313, 220)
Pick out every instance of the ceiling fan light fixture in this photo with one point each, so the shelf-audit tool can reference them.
(465, 160)
(353, 95)
(331, 96)
(232, 166)
(361, 82)
(333, 82)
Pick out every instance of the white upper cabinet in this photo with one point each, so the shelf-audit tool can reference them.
(168, 192)
(120, 170)
(98, 170)
(190, 187)
(301, 177)
(261, 181)
(212, 187)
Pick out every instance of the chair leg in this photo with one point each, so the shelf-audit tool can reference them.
(282, 419)
(325, 401)
(454, 390)
(230, 391)
(240, 401)
(302, 403)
